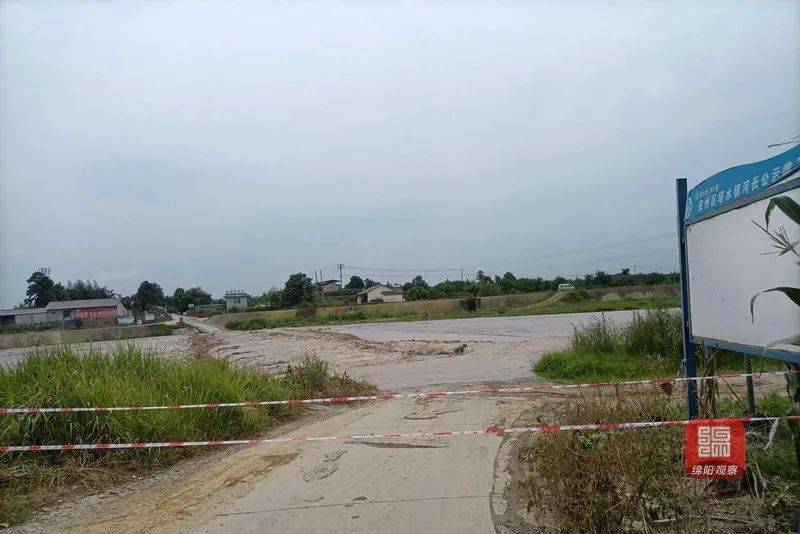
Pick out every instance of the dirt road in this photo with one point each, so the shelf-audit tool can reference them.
(375, 486)
(392, 485)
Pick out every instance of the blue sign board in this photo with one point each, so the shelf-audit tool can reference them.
(740, 182)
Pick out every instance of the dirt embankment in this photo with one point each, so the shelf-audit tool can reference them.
(274, 350)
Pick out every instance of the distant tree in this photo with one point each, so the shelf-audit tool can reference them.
(182, 298)
(41, 289)
(483, 278)
(275, 299)
(417, 289)
(626, 271)
(602, 278)
(148, 296)
(88, 289)
(370, 283)
(298, 290)
(355, 283)
(507, 284)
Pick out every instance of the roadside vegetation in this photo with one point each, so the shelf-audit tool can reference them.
(23, 328)
(131, 376)
(648, 346)
(633, 481)
(364, 315)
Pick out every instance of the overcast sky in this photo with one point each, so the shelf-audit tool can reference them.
(229, 144)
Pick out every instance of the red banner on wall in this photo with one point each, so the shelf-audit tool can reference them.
(715, 448)
(102, 312)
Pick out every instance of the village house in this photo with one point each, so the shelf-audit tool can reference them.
(62, 310)
(236, 299)
(327, 287)
(380, 293)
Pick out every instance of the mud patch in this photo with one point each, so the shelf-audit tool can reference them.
(326, 468)
(192, 497)
(400, 445)
(417, 416)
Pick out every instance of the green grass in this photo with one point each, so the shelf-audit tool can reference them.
(648, 346)
(161, 329)
(19, 328)
(130, 376)
(582, 365)
(365, 316)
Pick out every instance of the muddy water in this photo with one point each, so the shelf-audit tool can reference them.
(500, 329)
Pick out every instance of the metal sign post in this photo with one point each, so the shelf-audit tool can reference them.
(689, 360)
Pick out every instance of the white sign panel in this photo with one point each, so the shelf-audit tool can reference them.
(731, 259)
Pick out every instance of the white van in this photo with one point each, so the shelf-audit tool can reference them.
(565, 287)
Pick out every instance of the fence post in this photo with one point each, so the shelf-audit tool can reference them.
(689, 361)
(751, 393)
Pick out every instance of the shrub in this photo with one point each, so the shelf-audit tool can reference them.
(576, 295)
(257, 323)
(633, 481)
(306, 312)
(604, 481)
(650, 344)
(657, 332)
(600, 335)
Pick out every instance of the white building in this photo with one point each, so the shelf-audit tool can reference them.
(61, 310)
(236, 299)
(380, 293)
(328, 286)
(29, 316)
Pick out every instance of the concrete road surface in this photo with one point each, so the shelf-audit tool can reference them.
(398, 485)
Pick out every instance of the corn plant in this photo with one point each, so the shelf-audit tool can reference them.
(783, 244)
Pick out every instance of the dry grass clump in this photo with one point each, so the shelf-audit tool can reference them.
(633, 481)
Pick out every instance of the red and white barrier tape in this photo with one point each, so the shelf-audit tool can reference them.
(496, 431)
(381, 396)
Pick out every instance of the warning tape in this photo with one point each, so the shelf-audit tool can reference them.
(381, 396)
(495, 430)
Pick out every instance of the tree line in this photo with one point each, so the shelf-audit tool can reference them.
(485, 285)
(299, 289)
(42, 290)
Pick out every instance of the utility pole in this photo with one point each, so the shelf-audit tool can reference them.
(462, 275)
(341, 280)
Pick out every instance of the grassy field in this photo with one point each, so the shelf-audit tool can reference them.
(649, 346)
(20, 329)
(131, 376)
(361, 316)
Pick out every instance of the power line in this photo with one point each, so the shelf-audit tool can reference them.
(545, 256)
(384, 269)
(397, 273)
(599, 247)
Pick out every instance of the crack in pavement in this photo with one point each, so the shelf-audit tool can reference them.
(394, 445)
(360, 503)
